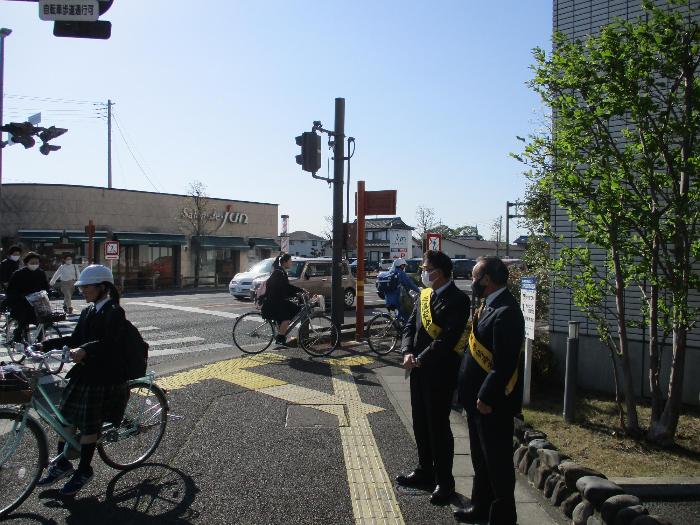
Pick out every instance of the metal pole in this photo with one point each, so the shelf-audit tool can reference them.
(347, 201)
(507, 228)
(338, 305)
(3, 33)
(527, 372)
(109, 144)
(571, 372)
(360, 281)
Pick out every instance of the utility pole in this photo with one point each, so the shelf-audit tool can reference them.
(4, 32)
(109, 143)
(338, 304)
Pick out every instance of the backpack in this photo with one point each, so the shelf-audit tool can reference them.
(136, 351)
(260, 293)
(387, 282)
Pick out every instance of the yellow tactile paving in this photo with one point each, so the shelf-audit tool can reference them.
(371, 491)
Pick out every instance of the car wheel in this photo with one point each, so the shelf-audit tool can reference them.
(349, 297)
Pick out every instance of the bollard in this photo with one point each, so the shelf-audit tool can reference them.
(571, 372)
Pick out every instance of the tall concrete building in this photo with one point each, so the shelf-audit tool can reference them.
(577, 19)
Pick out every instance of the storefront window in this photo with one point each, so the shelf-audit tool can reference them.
(142, 266)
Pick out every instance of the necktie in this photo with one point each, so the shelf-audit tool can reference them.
(477, 313)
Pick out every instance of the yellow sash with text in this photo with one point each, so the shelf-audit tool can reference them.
(484, 357)
(426, 317)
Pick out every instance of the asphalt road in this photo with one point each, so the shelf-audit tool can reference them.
(263, 440)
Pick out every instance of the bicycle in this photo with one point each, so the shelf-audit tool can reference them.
(384, 330)
(44, 330)
(24, 446)
(317, 335)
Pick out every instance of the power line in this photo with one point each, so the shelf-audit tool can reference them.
(132, 153)
(50, 99)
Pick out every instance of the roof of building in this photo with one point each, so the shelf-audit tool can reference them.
(301, 235)
(386, 223)
(483, 245)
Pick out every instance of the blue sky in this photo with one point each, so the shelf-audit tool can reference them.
(216, 91)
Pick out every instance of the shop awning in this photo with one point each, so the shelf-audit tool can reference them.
(40, 235)
(212, 241)
(151, 239)
(261, 242)
(81, 236)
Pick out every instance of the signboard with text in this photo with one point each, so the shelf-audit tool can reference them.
(69, 10)
(111, 250)
(528, 297)
(399, 243)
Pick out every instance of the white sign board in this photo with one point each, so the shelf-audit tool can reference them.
(399, 243)
(284, 244)
(112, 250)
(528, 296)
(69, 10)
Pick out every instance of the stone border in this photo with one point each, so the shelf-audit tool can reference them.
(583, 494)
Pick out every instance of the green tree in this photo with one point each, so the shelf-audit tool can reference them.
(622, 160)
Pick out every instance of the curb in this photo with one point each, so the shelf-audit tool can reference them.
(661, 488)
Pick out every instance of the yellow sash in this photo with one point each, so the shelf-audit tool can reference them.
(484, 357)
(426, 317)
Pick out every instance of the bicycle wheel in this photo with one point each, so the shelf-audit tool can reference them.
(54, 364)
(9, 340)
(318, 335)
(382, 334)
(23, 456)
(252, 334)
(141, 429)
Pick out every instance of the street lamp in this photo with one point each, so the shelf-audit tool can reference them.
(4, 32)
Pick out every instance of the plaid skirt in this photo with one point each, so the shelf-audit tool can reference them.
(88, 406)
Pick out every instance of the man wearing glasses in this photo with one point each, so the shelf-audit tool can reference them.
(490, 389)
(434, 340)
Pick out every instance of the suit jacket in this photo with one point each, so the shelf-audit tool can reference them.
(450, 311)
(501, 329)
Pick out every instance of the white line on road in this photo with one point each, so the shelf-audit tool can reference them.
(187, 349)
(147, 328)
(191, 309)
(176, 340)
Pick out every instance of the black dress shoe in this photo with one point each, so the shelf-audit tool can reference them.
(470, 513)
(417, 479)
(441, 495)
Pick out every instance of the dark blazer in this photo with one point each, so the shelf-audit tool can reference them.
(501, 329)
(450, 311)
(7, 268)
(100, 335)
(277, 287)
(23, 282)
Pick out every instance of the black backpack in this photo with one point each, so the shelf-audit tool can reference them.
(135, 351)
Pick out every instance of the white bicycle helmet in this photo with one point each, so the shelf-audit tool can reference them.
(95, 274)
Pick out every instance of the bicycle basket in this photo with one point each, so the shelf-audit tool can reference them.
(14, 386)
(41, 305)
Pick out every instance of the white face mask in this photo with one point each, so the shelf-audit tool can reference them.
(14, 258)
(33, 266)
(425, 278)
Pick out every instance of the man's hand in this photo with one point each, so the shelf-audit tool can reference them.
(409, 361)
(77, 355)
(483, 407)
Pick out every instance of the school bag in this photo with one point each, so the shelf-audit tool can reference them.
(136, 351)
(260, 293)
(386, 282)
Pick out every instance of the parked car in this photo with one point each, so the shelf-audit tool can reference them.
(386, 264)
(370, 266)
(239, 286)
(413, 269)
(314, 276)
(462, 268)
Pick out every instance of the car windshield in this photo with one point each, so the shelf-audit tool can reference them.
(262, 267)
(295, 269)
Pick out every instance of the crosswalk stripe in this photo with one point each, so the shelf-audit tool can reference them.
(191, 309)
(159, 342)
(187, 349)
(147, 328)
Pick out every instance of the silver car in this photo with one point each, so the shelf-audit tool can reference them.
(241, 283)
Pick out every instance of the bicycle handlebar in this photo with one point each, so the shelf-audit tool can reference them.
(43, 356)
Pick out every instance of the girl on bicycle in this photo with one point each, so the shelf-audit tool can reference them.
(276, 305)
(23, 282)
(96, 390)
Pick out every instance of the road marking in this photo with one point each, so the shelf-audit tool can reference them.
(175, 340)
(187, 349)
(147, 328)
(191, 309)
(371, 490)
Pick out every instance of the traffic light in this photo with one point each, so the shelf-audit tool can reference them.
(310, 157)
(100, 29)
(21, 133)
(51, 133)
(47, 148)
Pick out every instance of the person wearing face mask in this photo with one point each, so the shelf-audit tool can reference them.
(66, 274)
(23, 282)
(490, 390)
(433, 344)
(9, 266)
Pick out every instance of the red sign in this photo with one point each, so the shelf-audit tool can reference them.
(112, 250)
(434, 241)
(379, 202)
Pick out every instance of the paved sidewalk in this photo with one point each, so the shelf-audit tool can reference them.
(533, 509)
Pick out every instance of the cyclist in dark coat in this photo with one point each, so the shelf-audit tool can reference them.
(278, 291)
(9, 265)
(23, 282)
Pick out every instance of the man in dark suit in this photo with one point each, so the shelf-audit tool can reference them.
(490, 389)
(433, 343)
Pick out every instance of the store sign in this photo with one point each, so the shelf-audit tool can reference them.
(399, 243)
(225, 217)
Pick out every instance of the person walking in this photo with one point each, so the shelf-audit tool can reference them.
(490, 390)
(66, 275)
(9, 265)
(433, 343)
